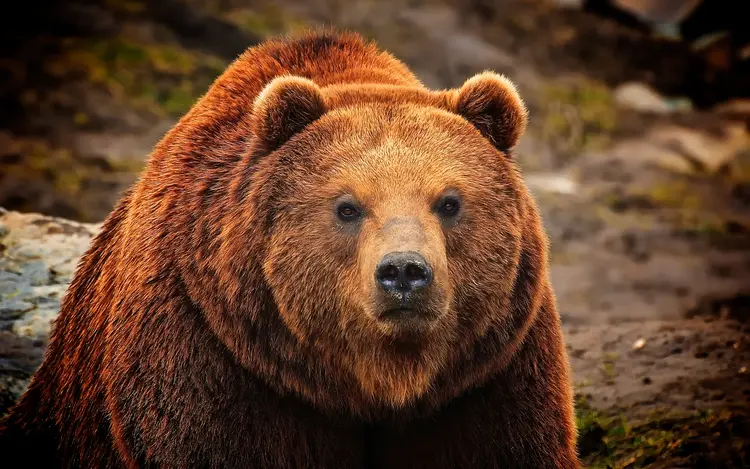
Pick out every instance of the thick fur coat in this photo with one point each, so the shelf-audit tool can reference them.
(229, 313)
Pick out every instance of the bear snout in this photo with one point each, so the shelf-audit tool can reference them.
(406, 294)
(401, 273)
(403, 280)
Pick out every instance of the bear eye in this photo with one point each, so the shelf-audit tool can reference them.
(448, 206)
(346, 211)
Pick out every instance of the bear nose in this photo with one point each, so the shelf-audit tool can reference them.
(403, 272)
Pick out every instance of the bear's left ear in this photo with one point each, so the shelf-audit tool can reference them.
(286, 105)
(492, 104)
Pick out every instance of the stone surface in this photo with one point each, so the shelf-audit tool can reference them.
(639, 97)
(38, 256)
(708, 151)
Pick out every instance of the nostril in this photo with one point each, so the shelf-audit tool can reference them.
(403, 272)
(415, 273)
(388, 273)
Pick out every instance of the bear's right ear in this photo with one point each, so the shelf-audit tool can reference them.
(286, 105)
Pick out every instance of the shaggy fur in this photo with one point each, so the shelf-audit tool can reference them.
(225, 317)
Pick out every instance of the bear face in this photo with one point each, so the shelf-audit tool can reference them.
(393, 223)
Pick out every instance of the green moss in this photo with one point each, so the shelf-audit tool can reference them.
(687, 210)
(179, 99)
(681, 203)
(127, 165)
(163, 79)
(675, 194)
(70, 182)
(584, 383)
(266, 20)
(60, 168)
(608, 367)
(580, 115)
(80, 118)
(612, 442)
(46, 163)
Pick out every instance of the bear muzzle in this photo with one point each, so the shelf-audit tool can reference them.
(404, 280)
(402, 273)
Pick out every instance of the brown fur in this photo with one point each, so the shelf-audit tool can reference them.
(225, 318)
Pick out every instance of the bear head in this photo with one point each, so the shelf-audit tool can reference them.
(377, 239)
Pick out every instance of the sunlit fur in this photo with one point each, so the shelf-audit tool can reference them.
(225, 317)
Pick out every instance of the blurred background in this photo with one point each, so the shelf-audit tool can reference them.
(638, 153)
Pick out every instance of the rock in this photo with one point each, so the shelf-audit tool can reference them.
(642, 151)
(19, 358)
(13, 309)
(36, 266)
(464, 53)
(37, 272)
(551, 182)
(640, 97)
(127, 149)
(734, 107)
(572, 4)
(37, 325)
(708, 151)
(659, 11)
(38, 255)
(683, 149)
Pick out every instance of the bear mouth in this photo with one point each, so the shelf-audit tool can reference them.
(400, 314)
(406, 315)
(410, 324)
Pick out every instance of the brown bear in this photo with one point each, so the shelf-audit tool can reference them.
(324, 265)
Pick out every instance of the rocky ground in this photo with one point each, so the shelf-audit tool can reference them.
(642, 175)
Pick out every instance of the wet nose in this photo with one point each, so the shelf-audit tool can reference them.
(403, 272)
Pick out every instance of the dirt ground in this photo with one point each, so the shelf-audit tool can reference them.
(655, 315)
(648, 212)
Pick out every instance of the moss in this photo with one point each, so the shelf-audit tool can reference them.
(579, 115)
(81, 118)
(60, 168)
(608, 368)
(560, 257)
(179, 99)
(687, 207)
(675, 194)
(127, 165)
(622, 221)
(163, 79)
(690, 213)
(584, 383)
(612, 442)
(265, 20)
